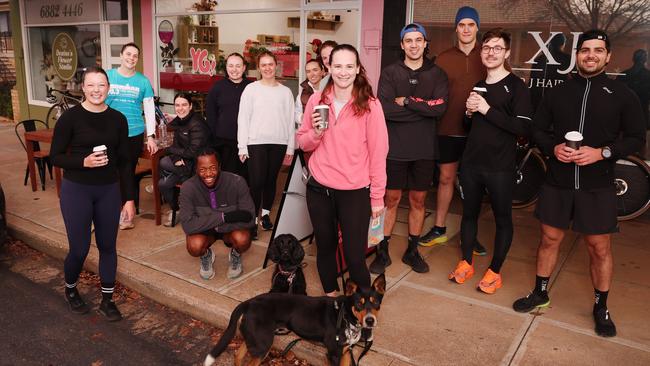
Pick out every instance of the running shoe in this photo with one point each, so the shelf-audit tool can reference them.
(479, 249)
(235, 267)
(490, 282)
(604, 325)
(108, 309)
(463, 272)
(413, 258)
(432, 238)
(531, 302)
(76, 303)
(207, 270)
(266, 223)
(168, 221)
(382, 258)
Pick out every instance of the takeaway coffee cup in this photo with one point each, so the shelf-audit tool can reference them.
(324, 111)
(573, 139)
(101, 148)
(480, 91)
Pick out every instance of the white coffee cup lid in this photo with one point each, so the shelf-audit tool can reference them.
(573, 136)
(99, 148)
(325, 106)
(480, 89)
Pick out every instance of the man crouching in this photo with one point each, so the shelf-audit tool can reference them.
(216, 205)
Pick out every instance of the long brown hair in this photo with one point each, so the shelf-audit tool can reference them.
(361, 89)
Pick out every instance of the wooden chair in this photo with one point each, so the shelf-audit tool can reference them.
(41, 157)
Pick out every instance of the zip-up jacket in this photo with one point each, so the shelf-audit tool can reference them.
(605, 111)
(196, 213)
(412, 128)
(190, 135)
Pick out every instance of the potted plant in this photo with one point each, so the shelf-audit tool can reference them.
(205, 5)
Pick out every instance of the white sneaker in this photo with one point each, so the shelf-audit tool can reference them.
(235, 267)
(207, 270)
(168, 221)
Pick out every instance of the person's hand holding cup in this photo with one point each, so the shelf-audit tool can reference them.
(320, 118)
(573, 139)
(98, 158)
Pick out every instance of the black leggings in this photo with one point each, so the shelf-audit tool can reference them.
(82, 204)
(329, 208)
(135, 150)
(229, 157)
(169, 177)
(264, 162)
(499, 186)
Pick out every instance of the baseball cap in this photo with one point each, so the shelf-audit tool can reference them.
(316, 41)
(413, 27)
(467, 12)
(593, 34)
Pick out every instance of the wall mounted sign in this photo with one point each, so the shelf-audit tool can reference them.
(64, 56)
(61, 11)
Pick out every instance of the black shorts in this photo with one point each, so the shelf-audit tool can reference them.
(414, 175)
(450, 148)
(590, 212)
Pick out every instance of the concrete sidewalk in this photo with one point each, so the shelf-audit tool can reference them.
(425, 319)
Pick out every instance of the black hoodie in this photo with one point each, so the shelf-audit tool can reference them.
(412, 128)
(605, 111)
(222, 108)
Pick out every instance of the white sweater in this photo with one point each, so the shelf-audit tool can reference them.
(265, 117)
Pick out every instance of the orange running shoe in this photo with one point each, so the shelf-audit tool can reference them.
(463, 272)
(490, 282)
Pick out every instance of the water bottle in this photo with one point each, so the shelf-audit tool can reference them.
(162, 133)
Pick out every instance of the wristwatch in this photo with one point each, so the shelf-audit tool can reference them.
(606, 152)
(406, 101)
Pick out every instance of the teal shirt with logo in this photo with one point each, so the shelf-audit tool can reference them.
(126, 95)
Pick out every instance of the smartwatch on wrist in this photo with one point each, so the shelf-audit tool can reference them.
(606, 152)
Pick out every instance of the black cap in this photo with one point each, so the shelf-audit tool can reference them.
(593, 34)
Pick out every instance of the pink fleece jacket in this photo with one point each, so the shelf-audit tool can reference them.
(351, 153)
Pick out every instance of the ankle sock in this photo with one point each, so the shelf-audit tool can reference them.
(600, 299)
(541, 285)
(70, 288)
(413, 241)
(441, 230)
(107, 291)
(265, 212)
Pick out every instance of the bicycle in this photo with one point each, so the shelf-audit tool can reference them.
(632, 182)
(61, 103)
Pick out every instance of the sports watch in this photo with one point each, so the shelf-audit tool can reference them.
(406, 101)
(606, 152)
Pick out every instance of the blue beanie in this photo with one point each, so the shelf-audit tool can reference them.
(467, 12)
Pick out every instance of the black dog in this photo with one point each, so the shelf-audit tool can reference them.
(287, 253)
(336, 322)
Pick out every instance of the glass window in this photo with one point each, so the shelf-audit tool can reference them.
(192, 48)
(58, 55)
(116, 10)
(119, 30)
(176, 6)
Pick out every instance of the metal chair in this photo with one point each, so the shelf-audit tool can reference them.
(41, 157)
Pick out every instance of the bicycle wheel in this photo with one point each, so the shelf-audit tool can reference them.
(53, 115)
(528, 179)
(632, 180)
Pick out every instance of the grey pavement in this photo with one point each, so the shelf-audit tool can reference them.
(425, 319)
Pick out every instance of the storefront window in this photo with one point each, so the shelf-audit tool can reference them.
(58, 56)
(63, 37)
(176, 6)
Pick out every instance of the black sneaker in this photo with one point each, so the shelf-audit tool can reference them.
(77, 304)
(604, 325)
(382, 259)
(266, 223)
(530, 302)
(413, 258)
(108, 309)
(432, 238)
(479, 249)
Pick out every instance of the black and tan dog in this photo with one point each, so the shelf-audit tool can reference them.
(287, 254)
(337, 322)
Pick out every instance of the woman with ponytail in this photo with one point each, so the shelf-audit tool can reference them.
(347, 165)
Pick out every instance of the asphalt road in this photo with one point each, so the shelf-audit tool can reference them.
(37, 328)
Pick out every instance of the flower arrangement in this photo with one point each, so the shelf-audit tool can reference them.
(205, 5)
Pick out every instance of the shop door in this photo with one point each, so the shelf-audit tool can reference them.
(116, 30)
